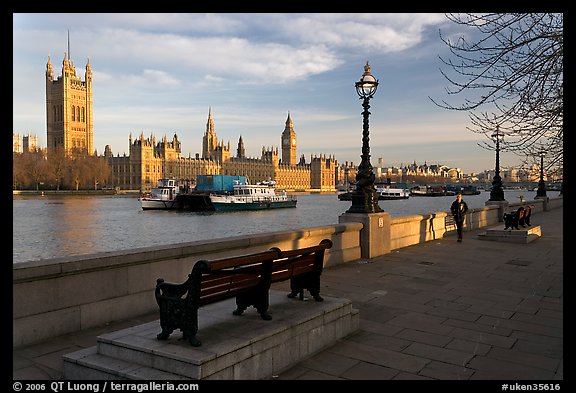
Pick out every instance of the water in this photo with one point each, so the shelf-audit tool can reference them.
(56, 226)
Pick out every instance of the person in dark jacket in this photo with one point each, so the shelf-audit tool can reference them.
(459, 209)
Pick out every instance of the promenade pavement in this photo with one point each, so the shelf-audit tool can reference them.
(442, 310)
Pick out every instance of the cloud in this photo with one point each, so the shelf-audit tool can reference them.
(382, 32)
(241, 48)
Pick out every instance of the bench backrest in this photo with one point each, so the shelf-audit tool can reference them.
(293, 263)
(228, 277)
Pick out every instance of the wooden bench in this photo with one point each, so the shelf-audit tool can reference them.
(303, 268)
(247, 278)
(520, 217)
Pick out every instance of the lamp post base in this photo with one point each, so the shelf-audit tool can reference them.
(364, 201)
(374, 236)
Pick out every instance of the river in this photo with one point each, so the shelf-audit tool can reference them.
(56, 226)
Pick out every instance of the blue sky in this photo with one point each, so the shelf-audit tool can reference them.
(160, 73)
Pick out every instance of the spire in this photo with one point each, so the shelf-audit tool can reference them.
(210, 122)
(289, 122)
(49, 69)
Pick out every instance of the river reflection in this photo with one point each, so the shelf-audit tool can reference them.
(55, 226)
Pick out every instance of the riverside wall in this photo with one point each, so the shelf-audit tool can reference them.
(63, 295)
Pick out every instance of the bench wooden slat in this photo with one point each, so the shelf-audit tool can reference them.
(227, 286)
(225, 263)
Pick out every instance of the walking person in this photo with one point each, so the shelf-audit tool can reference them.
(459, 209)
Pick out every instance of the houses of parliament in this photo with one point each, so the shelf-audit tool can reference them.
(69, 119)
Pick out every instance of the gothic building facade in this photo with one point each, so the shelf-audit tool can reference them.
(69, 121)
(150, 160)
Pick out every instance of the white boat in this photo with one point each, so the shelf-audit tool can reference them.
(386, 191)
(161, 197)
(253, 197)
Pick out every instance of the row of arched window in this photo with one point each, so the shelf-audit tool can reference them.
(78, 113)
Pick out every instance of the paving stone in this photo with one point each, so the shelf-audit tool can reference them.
(474, 348)
(382, 357)
(404, 376)
(424, 337)
(444, 355)
(522, 326)
(328, 362)
(525, 358)
(367, 371)
(483, 337)
(478, 327)
(380, 341)
(490, 368)
(446, 371)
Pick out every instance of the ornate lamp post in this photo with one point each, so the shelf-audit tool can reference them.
(541, 192)
(497, 192)
(364, 197)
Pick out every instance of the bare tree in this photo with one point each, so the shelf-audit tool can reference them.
(57, 162)
(510, 75)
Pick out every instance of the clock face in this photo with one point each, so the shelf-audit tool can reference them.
(286, 142)
(293, 141)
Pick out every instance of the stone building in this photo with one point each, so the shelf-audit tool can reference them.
(24, 143)
(69, 120)
(149, 160)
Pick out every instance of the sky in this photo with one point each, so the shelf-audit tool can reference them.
(160, 74)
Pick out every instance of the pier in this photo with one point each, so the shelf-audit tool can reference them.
(430, 308)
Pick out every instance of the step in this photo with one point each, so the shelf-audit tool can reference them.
(233, 347)
(524, 235)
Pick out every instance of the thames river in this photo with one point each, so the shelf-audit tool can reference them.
(56, 226)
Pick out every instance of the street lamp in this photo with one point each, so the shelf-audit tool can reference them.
(364, 197)
(497, 192)
(541, 192)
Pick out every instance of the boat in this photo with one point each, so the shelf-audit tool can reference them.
(345, 196)
(470, 190)
(427, 191)
(258, 196)
(467, 189)
(163, 196)
(169, 195)
(390, 191)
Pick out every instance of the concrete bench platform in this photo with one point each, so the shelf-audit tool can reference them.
(512, 235)
(234, 347)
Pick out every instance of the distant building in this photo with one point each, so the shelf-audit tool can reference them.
(29, 143)
(401, 173)
(24, 143)
(150, 161)
(16, 143)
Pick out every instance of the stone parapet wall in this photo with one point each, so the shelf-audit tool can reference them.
(63, 295)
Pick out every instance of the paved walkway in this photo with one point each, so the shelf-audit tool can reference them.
(476, 310)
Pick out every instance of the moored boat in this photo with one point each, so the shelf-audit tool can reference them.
(470, 190)
(388, 191)
(253, 197)
(163, 196)
(427, 191)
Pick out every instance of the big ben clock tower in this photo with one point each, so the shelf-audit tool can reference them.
(289, 143)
